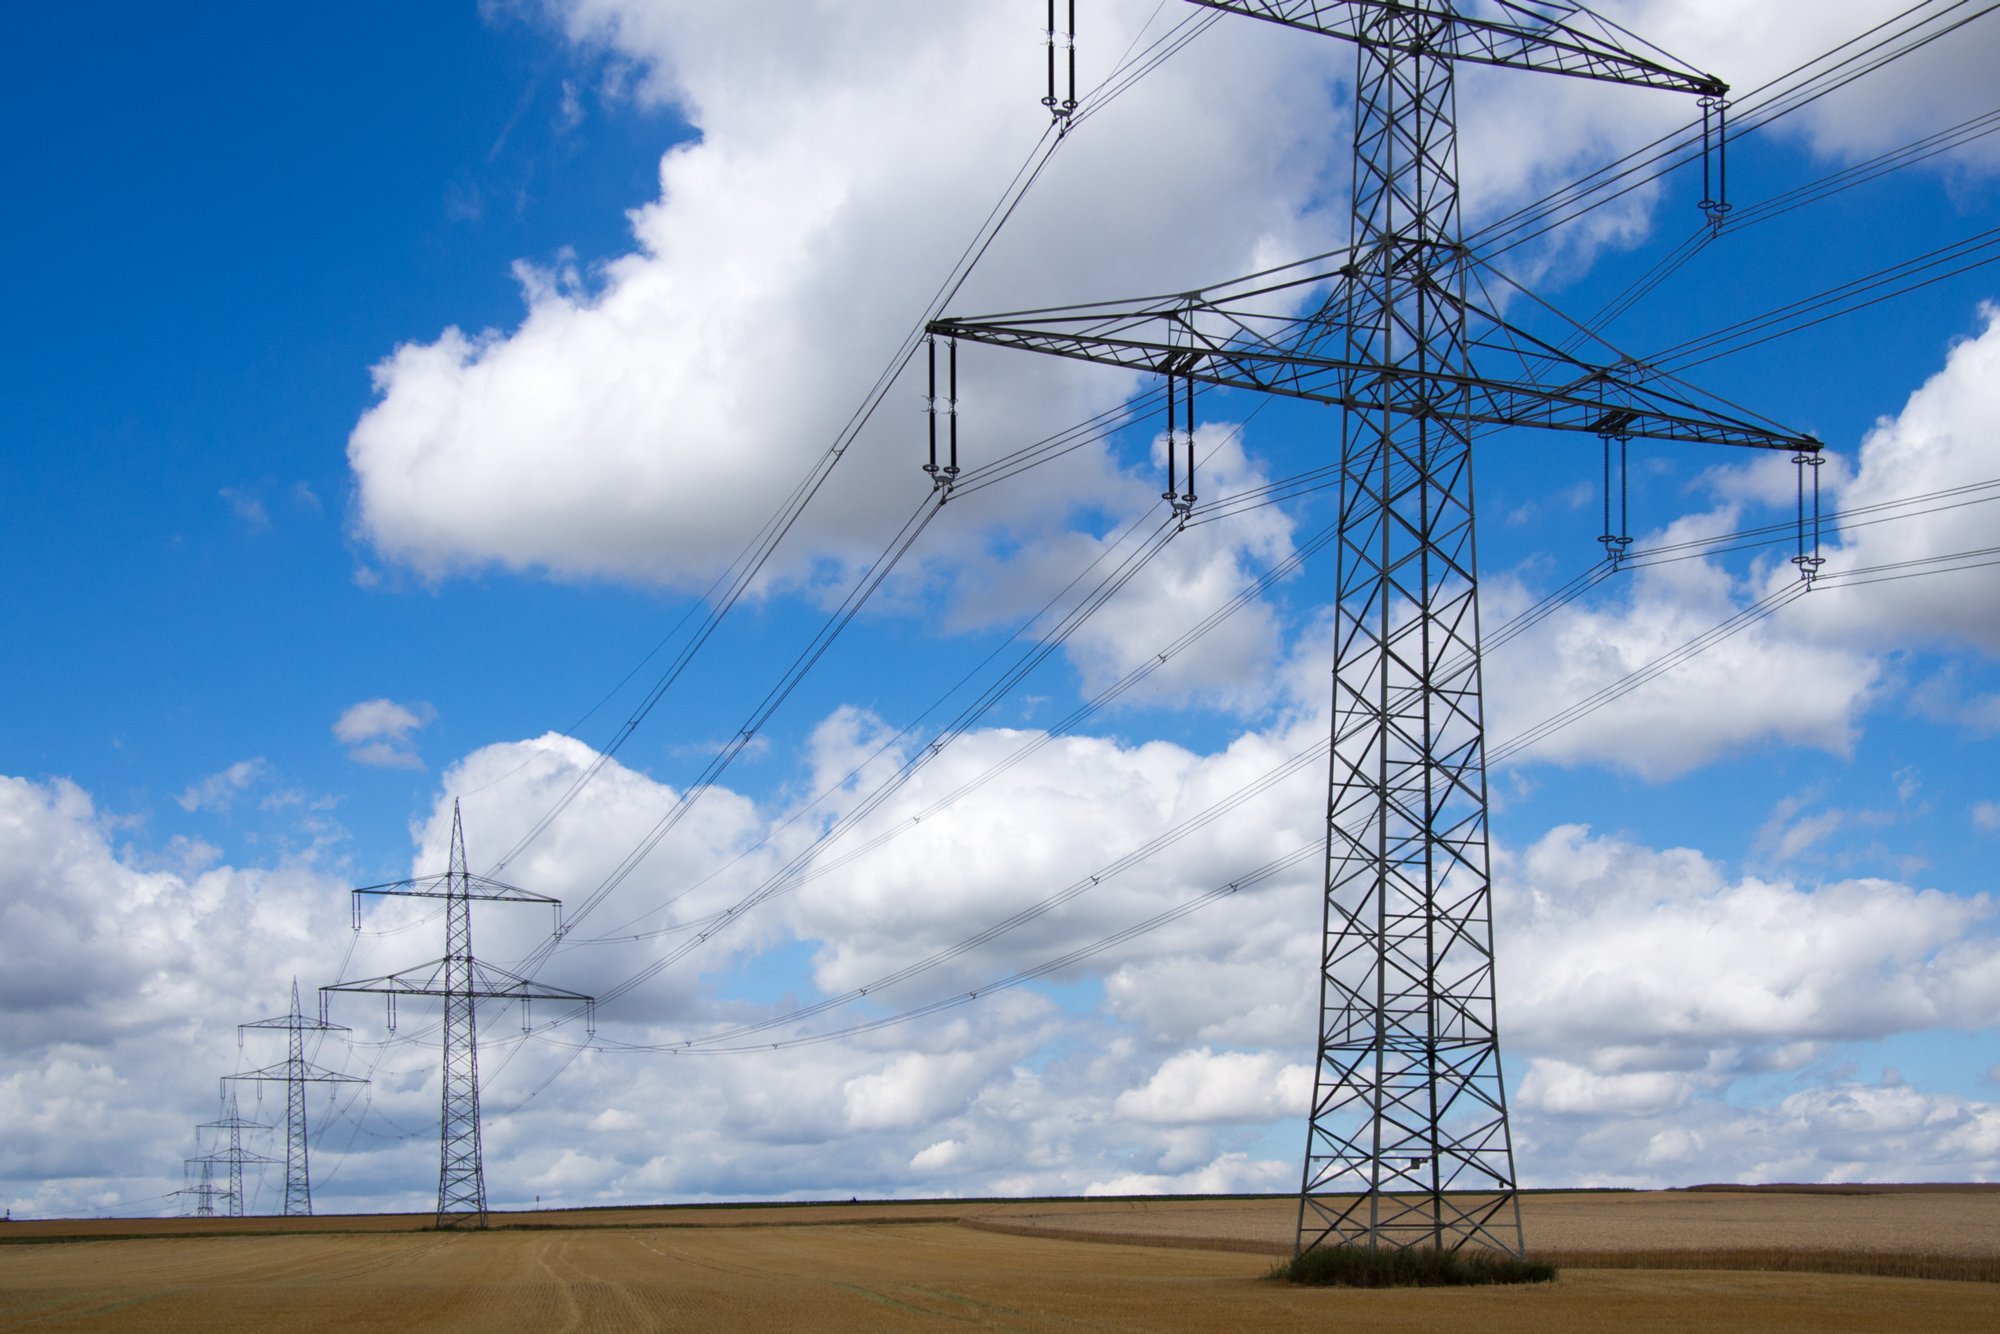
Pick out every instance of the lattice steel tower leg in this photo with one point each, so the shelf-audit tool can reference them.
(461, 1178)
(298, 1166)
(1408, 1143)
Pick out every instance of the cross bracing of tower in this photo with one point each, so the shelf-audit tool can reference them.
(461, 981)
(297, 1074)
(235, 1156)
(1408, 1142)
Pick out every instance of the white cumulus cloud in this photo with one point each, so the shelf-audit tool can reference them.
(218, 791)
(379, 732)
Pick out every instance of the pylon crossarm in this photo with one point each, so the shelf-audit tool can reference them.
(244, 1156)
(308, 1073)
(1616, 381)
(1529, 35)
(425, 979)
(1598, 401)
(488, 982)
(440, 886)
(492, 981)
(233, 1123)
(299, 1022)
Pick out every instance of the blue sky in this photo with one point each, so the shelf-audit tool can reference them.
(384, 386)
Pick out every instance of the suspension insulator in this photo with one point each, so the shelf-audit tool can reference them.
(1069, 103)
(1617, 535)
(951, 465)
(1060, 108)
(1049, 38)
(930, 403)
(1187, 496)
(1715, 160)
(1808, 463)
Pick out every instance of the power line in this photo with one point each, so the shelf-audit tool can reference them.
(743, 572)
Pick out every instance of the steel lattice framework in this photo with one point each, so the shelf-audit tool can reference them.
(201, 1190)
(461, 981)
(235, 1155)
(296, 1074)
(1409, 1142)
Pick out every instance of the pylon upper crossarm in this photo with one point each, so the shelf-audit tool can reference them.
(1531, 35)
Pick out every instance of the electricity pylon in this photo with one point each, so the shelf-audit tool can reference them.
(202, 1190)
(235, 1155)
(461, 981)
(296, 1074)
(1409, 1142)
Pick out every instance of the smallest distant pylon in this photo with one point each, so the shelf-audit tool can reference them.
(200, 1192)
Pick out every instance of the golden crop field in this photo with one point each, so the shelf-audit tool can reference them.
(1158, 1265)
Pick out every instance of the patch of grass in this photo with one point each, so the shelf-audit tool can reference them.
(1417, 1267)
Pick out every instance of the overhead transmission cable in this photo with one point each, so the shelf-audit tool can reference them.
(734, 1040)
(796, 872)
(800, 868)
(1823, 95)
(806, 659)
(1752, 110)
(773, 885)
(1734, 624)
(1937, 145)
(889, 743)
(1846, 298)
(749, 564)
(1909, 154)
(1793, 101)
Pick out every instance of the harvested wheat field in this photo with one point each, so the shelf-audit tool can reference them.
(906, 1266)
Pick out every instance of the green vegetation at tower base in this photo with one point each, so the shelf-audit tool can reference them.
(1418, 1267)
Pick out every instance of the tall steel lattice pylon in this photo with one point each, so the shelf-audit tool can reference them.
(1408, 1143)
(461, 981)
(235, 1156)
(297, 1074)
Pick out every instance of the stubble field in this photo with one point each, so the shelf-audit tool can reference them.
(1072, 1265)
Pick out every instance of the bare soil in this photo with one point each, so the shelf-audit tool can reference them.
(900, 1266)
(1951, 1221)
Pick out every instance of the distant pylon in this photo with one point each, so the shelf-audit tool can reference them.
(462, 982)
(235, 1155)
(203, 1190)
(295, 1074)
